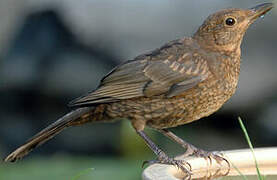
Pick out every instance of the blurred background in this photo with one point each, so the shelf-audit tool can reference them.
(52, 51)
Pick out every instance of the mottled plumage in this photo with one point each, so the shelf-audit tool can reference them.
(183, 81)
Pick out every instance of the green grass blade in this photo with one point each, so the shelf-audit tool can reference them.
(83, 172)
(251, 147)
(242, 175)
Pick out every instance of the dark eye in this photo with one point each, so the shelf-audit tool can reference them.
(230, 21)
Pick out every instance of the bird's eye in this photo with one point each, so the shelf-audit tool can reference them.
(230, 21)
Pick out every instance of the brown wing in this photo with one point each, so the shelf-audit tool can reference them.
(170, 70)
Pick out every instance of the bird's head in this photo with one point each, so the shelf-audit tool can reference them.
(224, 30)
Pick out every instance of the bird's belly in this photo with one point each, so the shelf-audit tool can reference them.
(162, 112)
(189, 107)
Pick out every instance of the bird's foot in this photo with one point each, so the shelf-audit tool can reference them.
(164, 159)
(193, 151)
(217, 156)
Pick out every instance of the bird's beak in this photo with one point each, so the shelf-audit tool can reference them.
(260, 10)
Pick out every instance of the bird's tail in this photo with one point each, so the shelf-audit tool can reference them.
(76, 117)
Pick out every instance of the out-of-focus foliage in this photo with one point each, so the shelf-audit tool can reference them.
(72, 168)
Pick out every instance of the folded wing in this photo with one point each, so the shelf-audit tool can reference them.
(160, 72)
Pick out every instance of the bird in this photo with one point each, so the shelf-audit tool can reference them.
(180, 82)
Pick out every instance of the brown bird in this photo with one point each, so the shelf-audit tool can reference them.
(183, 81)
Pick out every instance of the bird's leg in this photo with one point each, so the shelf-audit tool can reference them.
(192, 150)
(162, 157)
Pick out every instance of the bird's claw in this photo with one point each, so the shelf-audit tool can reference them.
(217, 156)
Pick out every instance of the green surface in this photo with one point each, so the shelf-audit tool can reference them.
(71, 168)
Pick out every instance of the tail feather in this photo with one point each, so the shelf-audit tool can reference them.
(48, 133)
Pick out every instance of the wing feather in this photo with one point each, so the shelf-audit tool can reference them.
(146, 76)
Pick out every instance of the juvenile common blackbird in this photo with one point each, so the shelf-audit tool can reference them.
(183, 81)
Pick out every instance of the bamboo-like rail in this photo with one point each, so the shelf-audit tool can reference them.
(201, 168)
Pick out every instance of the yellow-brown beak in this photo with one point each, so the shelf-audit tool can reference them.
(260, 10)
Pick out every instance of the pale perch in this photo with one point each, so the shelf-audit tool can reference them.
(201, 169)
